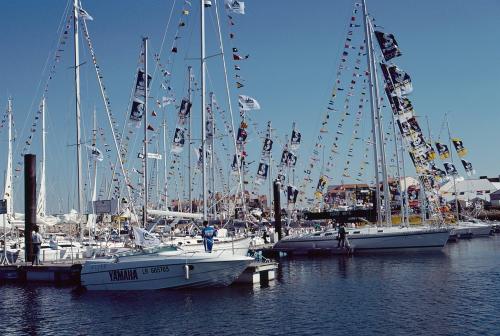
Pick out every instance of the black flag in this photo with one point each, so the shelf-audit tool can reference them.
(388, 45)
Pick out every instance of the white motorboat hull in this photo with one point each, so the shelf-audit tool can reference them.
(471, 229)
(162, 271)
(371, 239)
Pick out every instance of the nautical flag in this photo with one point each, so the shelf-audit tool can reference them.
(185, 108)
(295, 139)
(468, 167)
(239, 85)
(443, 151)
(388, 45)
(247, 103)
(150, 128)
(84, 15)
(234, 6)
(144, 238)
(167, 101)
(450, 168)
(237, 57)
(292, 193)
(95, 153)
(459, 146)
(236, 67)
(398, 81)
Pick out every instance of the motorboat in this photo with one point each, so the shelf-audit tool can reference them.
(372, 239)
(471, 228)
(162, 269)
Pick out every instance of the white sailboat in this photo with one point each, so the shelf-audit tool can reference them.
(373, 239)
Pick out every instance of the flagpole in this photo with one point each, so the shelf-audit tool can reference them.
(373, 113)
(145, 158)
(78, 115)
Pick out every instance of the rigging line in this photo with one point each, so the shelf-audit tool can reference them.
(165, 35)
(59, 32)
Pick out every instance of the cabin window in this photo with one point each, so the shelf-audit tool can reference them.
(357, 232)
(380, 230)
(329, 234)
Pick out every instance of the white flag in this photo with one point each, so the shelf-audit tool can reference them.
(84, 15)
(167, 101)
(144, 238)
(237, 7)
(247, 103)
(95, 153)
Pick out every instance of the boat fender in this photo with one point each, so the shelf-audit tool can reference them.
(187, 269)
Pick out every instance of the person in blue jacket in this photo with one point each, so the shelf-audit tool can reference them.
(208, 233)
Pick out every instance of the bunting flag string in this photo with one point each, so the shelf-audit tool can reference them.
(314, 158)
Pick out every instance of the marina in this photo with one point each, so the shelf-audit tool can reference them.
(234, 167)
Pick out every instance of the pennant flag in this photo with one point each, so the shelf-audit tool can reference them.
(153, 113)
(247, 103)
(468, 167)
(234, 6)
(237, 57)
(442, 150)
(459, 146)
(167, 101)
(388, 45)
(398, 81)
(239, 85)
(450, 168)
(236, 67)
(95, 153)
(150, 128)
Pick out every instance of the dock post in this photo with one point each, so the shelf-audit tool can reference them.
(29, 203)
(277, 208)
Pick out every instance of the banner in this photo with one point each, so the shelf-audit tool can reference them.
(242, 136)
(144, 238)
(398, 81)
(292, 194)
(185, 108)
(267, 147)
(450, 168)
(137, 110)
(262, 172)
(468, 167)
(388, 45)
(179, 140)
(140, 84)
(442, 150)
(323, 180)
(459, 146)
(95, 153)
(234, 6)
(247, 103)
(295, 140)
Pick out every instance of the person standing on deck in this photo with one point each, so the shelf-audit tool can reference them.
(341, 236)
(36, 239)
(208, 233)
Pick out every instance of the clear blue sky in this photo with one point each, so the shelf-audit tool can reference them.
(450, 49)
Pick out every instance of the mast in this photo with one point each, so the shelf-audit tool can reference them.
(203, 114)
(457, 214)
(42, 205)
(165, 172)
(91, 219)
(145, 158)
(9, 188)
(396, 152)
(269, 175)
(78, 116)
(190, 186)
(212, 154)
(373, 103)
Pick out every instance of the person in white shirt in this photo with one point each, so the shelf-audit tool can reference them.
(36, 240)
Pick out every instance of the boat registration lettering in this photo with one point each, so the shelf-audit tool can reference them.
(159, 269)
(123, 275)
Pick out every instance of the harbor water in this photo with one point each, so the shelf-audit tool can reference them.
(453, 292)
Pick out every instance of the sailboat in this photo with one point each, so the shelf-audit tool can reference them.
(162, 268)
(378, 238)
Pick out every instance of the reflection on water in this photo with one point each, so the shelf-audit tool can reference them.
(455, 292)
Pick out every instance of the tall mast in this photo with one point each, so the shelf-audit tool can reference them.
(145, 158)
(399, 183)
(165, 172)
(203, 114)
(9, 188)
(373, 105)
(269, 175)
(78, 116)
(212, 155)
(190, 186)
(42, 205)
